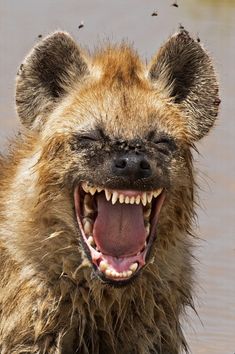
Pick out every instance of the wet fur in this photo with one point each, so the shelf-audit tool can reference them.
(50, 299)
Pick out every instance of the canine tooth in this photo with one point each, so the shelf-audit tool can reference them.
(149, 197)
(144, 198)
(127, 200)
(108, 194)
(132, 200)
(114, 197)
(87, 227)
(121, 198)
(157, 192)
(103, 266)
(137, 199)
(92, 190)
(90, 241)
(133, 267)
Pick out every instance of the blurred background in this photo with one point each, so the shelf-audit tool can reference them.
(24, 22)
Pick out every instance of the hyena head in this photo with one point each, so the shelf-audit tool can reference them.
(113, 138)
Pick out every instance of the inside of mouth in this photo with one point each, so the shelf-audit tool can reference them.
(118, 227)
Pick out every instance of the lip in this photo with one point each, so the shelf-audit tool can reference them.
(109, 267)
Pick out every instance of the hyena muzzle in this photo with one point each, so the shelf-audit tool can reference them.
(97, 198)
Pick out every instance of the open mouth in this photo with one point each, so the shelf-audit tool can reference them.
(118, 228)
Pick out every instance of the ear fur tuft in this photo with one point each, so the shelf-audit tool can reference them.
(46, 75)
(185, 71)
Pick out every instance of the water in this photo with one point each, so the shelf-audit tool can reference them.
(20, 24)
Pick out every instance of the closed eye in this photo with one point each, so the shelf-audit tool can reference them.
(163, 142)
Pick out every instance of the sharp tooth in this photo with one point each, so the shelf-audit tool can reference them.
(103, 266)
(85, 187)
(108, 194)
(99, 189)
(147, 229)
(114, 197)
(133, 267)
(149, 197)
(137, 199)
(129, 273)
(121, 198)
(127, 200)
(157, 192)
(90, 241)
(144, 198)
(92, 190)
(132, 200)
(87, 227)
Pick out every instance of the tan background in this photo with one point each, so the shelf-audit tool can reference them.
(21, 21)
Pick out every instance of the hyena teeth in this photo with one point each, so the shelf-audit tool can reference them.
(85, 187)
(87, 226)
(92, 190)
(149, 197)
(133, 267)
(147, 229)
(127, 200)
(108, 194)
(87, 205)
(108, 272)
(114, 197)
(144, 198)
(147, 213)
(103, 266)
(137, 199)
(157, 192)
(90, 241)
(121, 198)
(132, 200)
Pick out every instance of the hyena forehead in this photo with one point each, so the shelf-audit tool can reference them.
(120, 111)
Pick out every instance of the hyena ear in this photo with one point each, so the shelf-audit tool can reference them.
(184, 71)
(46, 75)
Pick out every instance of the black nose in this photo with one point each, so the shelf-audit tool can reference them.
(132, 165)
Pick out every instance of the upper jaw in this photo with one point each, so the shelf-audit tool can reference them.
(117, 266)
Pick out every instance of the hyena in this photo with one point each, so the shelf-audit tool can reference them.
(97, 198)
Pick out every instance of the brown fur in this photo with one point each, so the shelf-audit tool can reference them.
(50, 299)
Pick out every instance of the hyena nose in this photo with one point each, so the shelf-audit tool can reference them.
(132, 165)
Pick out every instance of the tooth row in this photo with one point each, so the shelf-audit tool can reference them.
(104, 267)
(114, 196)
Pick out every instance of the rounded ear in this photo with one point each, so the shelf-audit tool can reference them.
(47, 73)
(185, 72)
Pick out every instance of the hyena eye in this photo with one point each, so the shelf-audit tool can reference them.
(84, 139)
(165, 145)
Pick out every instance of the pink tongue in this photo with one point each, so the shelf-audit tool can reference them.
(119, 229)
